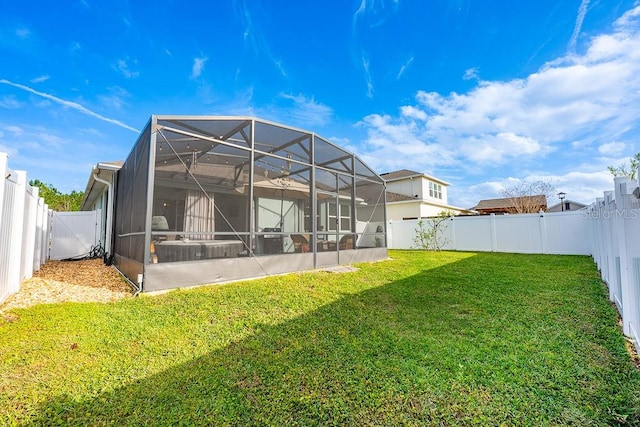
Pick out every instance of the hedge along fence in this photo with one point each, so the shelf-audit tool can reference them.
(540, 233)
(24, 226)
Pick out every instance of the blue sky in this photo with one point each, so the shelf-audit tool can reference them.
(482, 94)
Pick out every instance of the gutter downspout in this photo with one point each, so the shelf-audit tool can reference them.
(109, 225)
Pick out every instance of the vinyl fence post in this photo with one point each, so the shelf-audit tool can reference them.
(610, 276)
(454, 246)
(542, 224)
(494, 243)
(17, 228)
(29, 231)
(3, 174)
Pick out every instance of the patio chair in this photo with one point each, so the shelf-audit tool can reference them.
(300, 243)
(347, 242)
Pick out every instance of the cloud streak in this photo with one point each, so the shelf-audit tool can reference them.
(254, 37)
(198, 67)
(582, 12)
(404, 68)
(367, 77)
(69, 104)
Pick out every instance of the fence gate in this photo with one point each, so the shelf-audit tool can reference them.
(74, 234)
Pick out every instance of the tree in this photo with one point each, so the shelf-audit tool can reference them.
(56, 200)
(622, 170)
(524, 196)
(429, 234)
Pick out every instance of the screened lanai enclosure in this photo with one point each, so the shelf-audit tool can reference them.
(213, 199)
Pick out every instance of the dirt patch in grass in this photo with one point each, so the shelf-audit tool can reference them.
(76, 281)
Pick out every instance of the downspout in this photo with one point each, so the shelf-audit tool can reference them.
(109, 220)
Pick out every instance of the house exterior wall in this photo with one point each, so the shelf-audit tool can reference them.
(417, 186)
(415, 209)
(427, 210)
(569, 206)
(101, 204)
(399, 211)
(409, 187)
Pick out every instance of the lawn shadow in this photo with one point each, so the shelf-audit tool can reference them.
(429, 348)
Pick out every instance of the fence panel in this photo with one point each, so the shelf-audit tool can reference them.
(9, 247)
(518, 233)
(567, 233)
(400, 234)
(553, 233)
(473, 234)
(22, 241)
(74, 234)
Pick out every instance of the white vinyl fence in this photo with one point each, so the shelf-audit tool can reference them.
(74, 234)
(24, 224)
(615, 238)
(541, 233)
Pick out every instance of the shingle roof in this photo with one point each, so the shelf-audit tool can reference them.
(402, 173)
(396, 197)
(406, 173)
(511, 202)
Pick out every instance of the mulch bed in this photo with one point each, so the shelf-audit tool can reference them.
(76, 281)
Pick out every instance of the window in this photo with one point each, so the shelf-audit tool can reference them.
(435, 190)
(339, 214)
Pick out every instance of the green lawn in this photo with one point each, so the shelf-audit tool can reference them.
(426, 338)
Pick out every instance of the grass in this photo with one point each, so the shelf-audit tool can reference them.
(426, 338)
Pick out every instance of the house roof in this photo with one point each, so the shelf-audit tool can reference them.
(105, 171)
(510, 202)
(397, 197)
(406, 173)
(574, 203)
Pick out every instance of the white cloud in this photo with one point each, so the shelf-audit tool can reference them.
(10, 102)
(471, 74)
(115, 99)
(198, 67)
(122, 66)
(40, 79)
(412, 112)
(307, 111)
(612, 148)
(15, 130)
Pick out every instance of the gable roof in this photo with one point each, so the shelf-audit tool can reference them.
(103, 170)
(509, 203)
(397, 197)
(406, 173)
(402, 173)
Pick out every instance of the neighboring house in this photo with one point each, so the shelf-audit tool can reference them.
(412, 195)
(569, 205)
(512, 205)
(99, 194)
